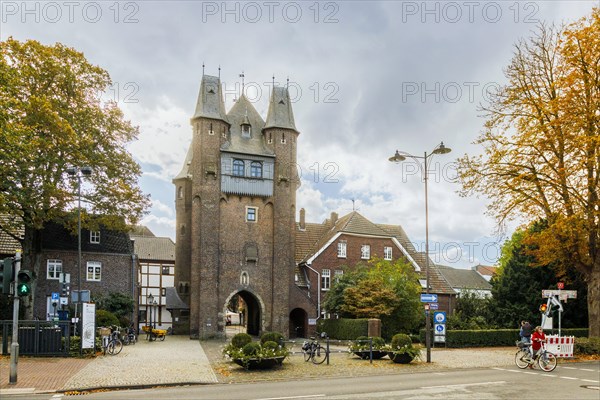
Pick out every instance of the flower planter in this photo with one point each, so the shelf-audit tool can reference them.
(400, 358)
(262, 363)
(364, 354)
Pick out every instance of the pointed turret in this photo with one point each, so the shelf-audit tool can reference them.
(280, 113)
(210, 99)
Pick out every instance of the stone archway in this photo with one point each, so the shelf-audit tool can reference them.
(250, 312)
(298, 323)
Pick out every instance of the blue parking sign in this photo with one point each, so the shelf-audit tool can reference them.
(55, 296)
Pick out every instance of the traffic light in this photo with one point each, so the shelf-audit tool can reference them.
(544, 309)
(6, 275)
(64, 289)
(24, 283)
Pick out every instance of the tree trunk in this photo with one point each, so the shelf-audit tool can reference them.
(31, 260)
(593, 298)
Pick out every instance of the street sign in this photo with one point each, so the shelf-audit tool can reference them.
(434, 306)
(439, 317)
(439, 329)
(564, 294)
(429, 298)
(560, 285)
(427, 306)
(55, 296)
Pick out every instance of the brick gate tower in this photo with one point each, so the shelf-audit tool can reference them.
(235, 205)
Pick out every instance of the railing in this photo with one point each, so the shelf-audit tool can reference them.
(38, 338)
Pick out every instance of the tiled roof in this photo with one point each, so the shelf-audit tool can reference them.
(141, 230)
(8, 244)
(487, 270)
(464, 278)
(316, 236)
(56, 237)
(154, 248)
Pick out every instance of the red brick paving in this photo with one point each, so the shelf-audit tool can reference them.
(43, 374)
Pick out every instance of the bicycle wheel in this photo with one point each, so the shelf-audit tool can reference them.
(162, 338)
(319, 355)
(110, 348)
(547, 362)
(117, 346)
(520, 359)
(307, 354)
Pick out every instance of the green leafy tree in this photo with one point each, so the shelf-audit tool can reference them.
(119, 304)
(382, 289)
(541, 153)
(518, 285)
(471, 312)
(52, 117)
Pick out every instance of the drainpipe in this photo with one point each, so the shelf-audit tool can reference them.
(318, 289)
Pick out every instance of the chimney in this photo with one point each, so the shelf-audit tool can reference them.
(302, 218)
(334, 218)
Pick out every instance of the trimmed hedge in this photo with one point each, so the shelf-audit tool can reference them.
(584, 345)
(344, 328)
(493, 337)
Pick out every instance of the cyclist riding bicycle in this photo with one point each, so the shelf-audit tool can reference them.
(537, 339)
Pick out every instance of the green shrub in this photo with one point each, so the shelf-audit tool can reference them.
(251, 349)
(401, 340)
(416, 339)
(270, 345)
(240, 340)
(344, 328)
(362, 343)
(584, 345)
(106, 318)
(271, 337)
(74, 343)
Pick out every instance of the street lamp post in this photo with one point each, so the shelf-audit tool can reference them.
(149, 306)
(79, 173)
(440, 149)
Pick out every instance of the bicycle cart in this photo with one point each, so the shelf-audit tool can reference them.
(153, 334)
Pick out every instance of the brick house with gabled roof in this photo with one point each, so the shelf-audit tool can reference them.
(324, 250)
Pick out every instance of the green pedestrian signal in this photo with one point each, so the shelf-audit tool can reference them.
(6, 275)
(24, 283)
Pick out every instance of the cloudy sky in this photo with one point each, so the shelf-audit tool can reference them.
(366, 77)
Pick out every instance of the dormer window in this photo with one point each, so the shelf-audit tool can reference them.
(246, 130)
(95, 237)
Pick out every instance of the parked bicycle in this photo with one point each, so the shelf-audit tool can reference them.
(129, 337)
(112, 344)
(544, 359)
(314, 351)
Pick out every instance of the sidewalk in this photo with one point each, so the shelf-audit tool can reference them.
(177, 360)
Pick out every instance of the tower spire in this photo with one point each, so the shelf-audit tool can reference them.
(202, 69)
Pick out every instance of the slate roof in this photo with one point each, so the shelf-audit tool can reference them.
(244, 112)
(154, 248)
(280, 113)
(210, 102)
(463, 278)
(57, 237)
(141, 230)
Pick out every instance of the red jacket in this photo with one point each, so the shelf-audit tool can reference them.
(536, 340)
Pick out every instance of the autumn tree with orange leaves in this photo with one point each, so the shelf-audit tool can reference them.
(541, 149)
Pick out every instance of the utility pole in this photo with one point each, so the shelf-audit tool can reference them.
(14, 346)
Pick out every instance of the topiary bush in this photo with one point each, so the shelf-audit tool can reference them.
(401, 340)
(251, 349)
(271, 337)
(240, 340)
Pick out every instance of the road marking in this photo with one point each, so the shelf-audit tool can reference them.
(568, 377)
(293, 397)
(464, 385)
(569, 368)
(590, 380)
(587, 369)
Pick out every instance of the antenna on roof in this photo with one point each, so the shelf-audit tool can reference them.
(202, 69)
(288, 83)
(219, 72)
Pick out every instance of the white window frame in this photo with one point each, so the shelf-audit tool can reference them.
(387, 252)
(53, 269)
(365, 252)
(337, 274)
(325, 279)
(255, 214)
(95, 237)
(96, 273)
(342, 248)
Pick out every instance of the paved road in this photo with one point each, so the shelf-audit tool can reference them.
(566, 382)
